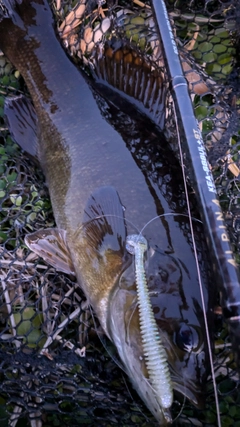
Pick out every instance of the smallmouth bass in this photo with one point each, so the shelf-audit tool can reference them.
(96, 160)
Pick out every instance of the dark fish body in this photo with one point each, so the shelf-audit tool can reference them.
(97, 159)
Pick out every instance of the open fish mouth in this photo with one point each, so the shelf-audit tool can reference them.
(190, 391)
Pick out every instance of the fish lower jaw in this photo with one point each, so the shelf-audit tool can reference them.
(134, 367)
(127, 339)
(149, 397)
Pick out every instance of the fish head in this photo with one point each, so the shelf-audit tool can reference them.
(108, 277)
(178, 310)
(106, 272)
(124, 330)
(175, 301)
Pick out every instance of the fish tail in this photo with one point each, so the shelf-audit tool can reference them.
(11, 10)
(7, 7)
(17, 19)
(26, 37)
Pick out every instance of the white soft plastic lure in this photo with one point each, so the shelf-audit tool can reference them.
(153, 349)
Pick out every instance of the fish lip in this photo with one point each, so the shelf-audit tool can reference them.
(190, 391)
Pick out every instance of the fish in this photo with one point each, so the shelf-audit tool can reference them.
(109, 173)
(125, 46)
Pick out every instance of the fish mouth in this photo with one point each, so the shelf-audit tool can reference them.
(190, 391)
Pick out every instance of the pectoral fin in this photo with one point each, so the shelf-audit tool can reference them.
(104, 224)
(51, 245)
(22, 121)
(102, 237)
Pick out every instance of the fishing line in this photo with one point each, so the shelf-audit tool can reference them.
(168, 214)
(182, 406)
(181, 410)
(198, 271)
(81, 228)
(131, 223)
(115, 360)
(135, 303)
(137, 405)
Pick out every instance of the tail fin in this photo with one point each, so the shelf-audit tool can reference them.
(23, 26)
(9, 9)
(6, 8)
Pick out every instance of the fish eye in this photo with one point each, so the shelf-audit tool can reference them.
(163, 274)
(187, 338)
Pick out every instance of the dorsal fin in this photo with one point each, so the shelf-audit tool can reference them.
(133, 77)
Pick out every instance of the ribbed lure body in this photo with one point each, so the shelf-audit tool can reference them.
(154, 352)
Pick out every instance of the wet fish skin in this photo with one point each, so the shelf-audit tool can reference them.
(68, 143)
(79, 156)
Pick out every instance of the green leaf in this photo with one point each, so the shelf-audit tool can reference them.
(16, 200)
(219, 48)
(12, 177)
(5, 80)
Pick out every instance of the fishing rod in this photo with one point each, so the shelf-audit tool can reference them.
(225, 269)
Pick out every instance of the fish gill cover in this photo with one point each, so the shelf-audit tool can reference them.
(56, 366)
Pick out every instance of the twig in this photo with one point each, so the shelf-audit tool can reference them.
(79, 351)
(60, 328)
(9, 309)
(5, 263)
(58, 4)
(45, 307)
(190, 45)
(141, 4)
